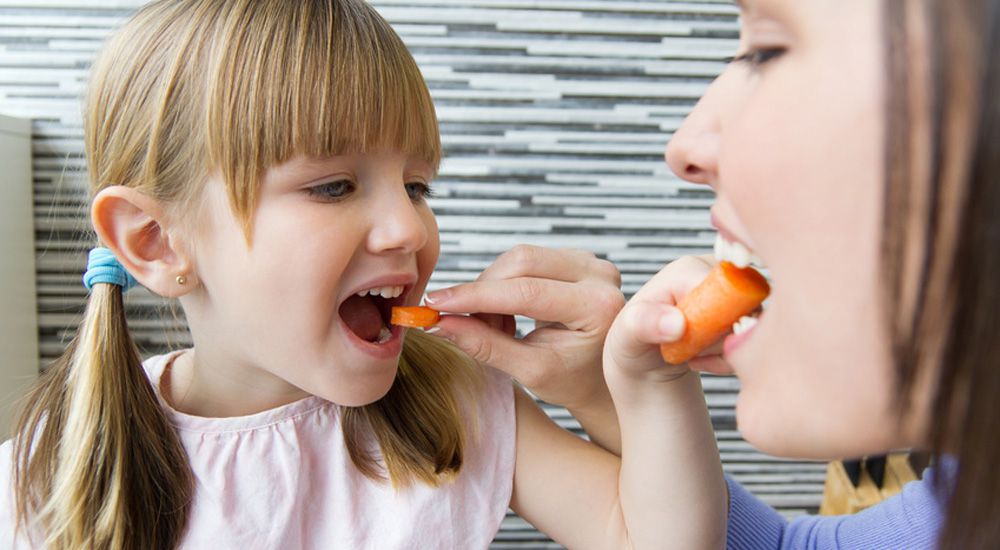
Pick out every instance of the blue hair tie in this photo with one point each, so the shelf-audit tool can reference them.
(103, 267)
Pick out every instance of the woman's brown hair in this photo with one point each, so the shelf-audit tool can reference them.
(942, 241)
(188, 88)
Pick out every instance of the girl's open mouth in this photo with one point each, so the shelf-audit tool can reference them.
(366, 314)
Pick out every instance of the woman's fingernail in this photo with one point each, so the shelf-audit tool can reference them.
(437, 296)
(672, 324)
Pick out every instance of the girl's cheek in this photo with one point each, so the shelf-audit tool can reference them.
(428, 256)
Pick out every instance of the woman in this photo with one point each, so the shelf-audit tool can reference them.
(853, 146)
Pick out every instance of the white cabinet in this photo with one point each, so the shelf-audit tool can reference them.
(18, 303)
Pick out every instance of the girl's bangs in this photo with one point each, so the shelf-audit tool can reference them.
(321, 79)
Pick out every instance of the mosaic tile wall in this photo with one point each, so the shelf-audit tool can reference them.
(554, 117)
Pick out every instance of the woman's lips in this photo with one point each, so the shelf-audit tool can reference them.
(738, 338)
(716, 222)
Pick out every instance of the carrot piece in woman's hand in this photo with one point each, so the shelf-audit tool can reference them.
(414, 316)
(728, 293)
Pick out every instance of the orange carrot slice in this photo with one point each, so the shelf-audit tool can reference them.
(414, 316)
(728, 293)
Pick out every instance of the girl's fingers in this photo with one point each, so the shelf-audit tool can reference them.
(712, 364)
(650, 319)
(676, 280)
(639, 330)
(710, 360)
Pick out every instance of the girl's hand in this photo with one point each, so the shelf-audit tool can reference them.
(671, 480)
(573, 297)
(650, 318)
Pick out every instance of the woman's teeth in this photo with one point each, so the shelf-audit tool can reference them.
(744, 324)
(383, 291)
(383, 336)
(736, 253)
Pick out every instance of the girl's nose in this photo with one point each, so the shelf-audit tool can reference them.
(693, 152)
(399, 226)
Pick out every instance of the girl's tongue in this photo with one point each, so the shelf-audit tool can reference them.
(363, 316)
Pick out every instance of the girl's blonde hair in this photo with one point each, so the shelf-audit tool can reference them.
(188, 88)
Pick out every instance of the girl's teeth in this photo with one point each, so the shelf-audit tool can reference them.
(384, 335)
(744, 324)
(384, 291)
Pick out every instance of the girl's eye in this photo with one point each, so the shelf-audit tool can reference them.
(331, 191)
(419, 190)
(757, 57)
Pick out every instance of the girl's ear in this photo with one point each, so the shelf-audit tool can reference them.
(133, 225)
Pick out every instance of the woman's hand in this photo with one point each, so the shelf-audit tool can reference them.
(573, 297)
(651, 318)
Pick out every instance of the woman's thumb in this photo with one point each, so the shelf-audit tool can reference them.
(483, 343)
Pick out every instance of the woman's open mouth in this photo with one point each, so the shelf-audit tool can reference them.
(739, 255)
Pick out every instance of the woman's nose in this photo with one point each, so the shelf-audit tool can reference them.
(693, 155)
(693, 152)
(398, 227)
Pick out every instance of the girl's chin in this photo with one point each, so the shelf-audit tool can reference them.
(361, 389)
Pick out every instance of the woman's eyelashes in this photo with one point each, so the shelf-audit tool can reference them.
(757, 57)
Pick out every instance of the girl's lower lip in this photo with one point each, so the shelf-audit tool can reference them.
(734, 341)
(388, 350)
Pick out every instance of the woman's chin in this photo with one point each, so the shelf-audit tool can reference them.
(810, 436)
(769, 431)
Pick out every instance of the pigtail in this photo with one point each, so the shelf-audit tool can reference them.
(422, 426)
(96, 463)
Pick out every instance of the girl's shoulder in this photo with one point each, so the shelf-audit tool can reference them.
(494, 429)
(7, 503)
(6, 469)
(292, 473)
(302, 411)
(498, 395)
(7, 496)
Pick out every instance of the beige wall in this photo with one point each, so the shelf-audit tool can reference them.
(18, 320)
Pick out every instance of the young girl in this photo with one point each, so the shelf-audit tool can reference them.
(266, 162)
(853, 146)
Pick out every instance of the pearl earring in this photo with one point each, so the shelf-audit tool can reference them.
(182, 280)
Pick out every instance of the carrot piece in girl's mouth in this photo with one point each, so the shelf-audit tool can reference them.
(726, 295)
(414, 316)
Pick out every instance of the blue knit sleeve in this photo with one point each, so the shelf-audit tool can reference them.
(911, 520)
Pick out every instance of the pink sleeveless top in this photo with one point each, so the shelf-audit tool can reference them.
(282, 478)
